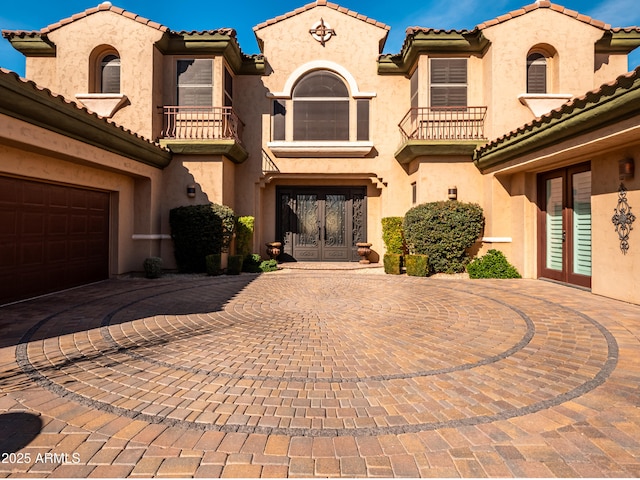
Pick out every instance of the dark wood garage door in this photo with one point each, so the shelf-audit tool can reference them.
(52, 237)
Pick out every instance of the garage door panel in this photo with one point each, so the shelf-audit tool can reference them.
(58, 224)
(34, 195)
(52, 237)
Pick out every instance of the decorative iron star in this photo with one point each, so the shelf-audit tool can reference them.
(322, 32)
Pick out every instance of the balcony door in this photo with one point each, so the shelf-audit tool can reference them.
(564, 245)
(321, 223)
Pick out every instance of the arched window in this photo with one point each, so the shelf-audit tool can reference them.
(536, 73)
(321, 107)
(109, 79)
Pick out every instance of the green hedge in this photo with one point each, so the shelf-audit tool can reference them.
(392, 263)
(214, 264)
(244, 235)
(492, 265)
(152, 267)
(444, 231)
(417, 265)
(392, 235)
(198, 231)
(234, 266)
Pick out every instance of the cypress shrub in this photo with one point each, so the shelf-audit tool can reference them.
(392, 263)
(235, 265)
(198, 231)
(417, 265)
(392, 235)
(444, 231)
(492, 265)
(214, 264)
(244, 235)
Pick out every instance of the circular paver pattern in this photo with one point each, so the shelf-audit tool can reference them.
(321, 354)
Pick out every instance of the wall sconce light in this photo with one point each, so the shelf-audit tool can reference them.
(191, 191)
(453, 193)
(625, 168)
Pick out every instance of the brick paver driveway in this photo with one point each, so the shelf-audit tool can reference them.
(325, 373)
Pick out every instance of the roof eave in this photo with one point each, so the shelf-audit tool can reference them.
(212, 43)
(432, 42)
(559, 126)
(620, 41)
(25, 101)
(31, 44)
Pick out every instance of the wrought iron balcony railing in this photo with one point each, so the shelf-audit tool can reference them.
(201, 123)
(443, 123)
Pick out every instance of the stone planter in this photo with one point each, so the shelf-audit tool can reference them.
(364, 250)
(273, 249)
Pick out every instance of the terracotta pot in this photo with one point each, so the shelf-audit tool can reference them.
(364, 250)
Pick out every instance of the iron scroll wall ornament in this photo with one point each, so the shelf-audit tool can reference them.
(623, 218)
(322, 31)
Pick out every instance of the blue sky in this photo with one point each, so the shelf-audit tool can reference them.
(243, 15)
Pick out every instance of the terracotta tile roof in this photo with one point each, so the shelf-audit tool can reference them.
(105, 6)
(544, 4)
(573, 107)
(45, 92)
(319, 3)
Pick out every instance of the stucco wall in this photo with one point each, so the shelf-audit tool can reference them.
(135, 44)
(37, 154)
(614, 273)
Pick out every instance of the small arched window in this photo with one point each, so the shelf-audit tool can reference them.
(109, 74)
(536, 73)
(321, 107)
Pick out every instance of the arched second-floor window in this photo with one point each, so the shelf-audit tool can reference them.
(321, 107)
(110, 74)
(536, 73)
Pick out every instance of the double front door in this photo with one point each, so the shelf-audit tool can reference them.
(321, 223)
(565, 225)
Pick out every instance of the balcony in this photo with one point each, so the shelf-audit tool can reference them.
(204, 131)
(441, 131)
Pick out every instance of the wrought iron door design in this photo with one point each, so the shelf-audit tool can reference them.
(321, 224)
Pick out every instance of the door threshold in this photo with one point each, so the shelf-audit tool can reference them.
(566, 284)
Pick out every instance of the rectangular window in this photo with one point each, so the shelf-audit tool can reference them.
(195, 82)
(279, 120)
(228, 88)
(414, 193)
(363, 119)
(581, 223)
(321, 120)
(414, 89)
(448, 82)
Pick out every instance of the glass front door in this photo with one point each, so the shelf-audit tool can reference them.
(321, 224)
(565, 224)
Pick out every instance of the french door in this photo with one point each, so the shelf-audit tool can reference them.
(564, 221)
(322, 223)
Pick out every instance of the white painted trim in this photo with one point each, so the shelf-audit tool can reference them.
(497, 239)
(320, 65)
(320, 149)
(150, 236)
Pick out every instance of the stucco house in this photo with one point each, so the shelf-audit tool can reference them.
(319, 137)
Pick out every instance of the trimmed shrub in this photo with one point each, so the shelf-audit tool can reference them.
(417, 265)
(214, 264)
(198, 231)
(252, 263)
(235, 265)
(444, 231)
(269, 266)
(152, 267)
(392, 263)
(244, 235)
(392, 235)
(492, 265)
